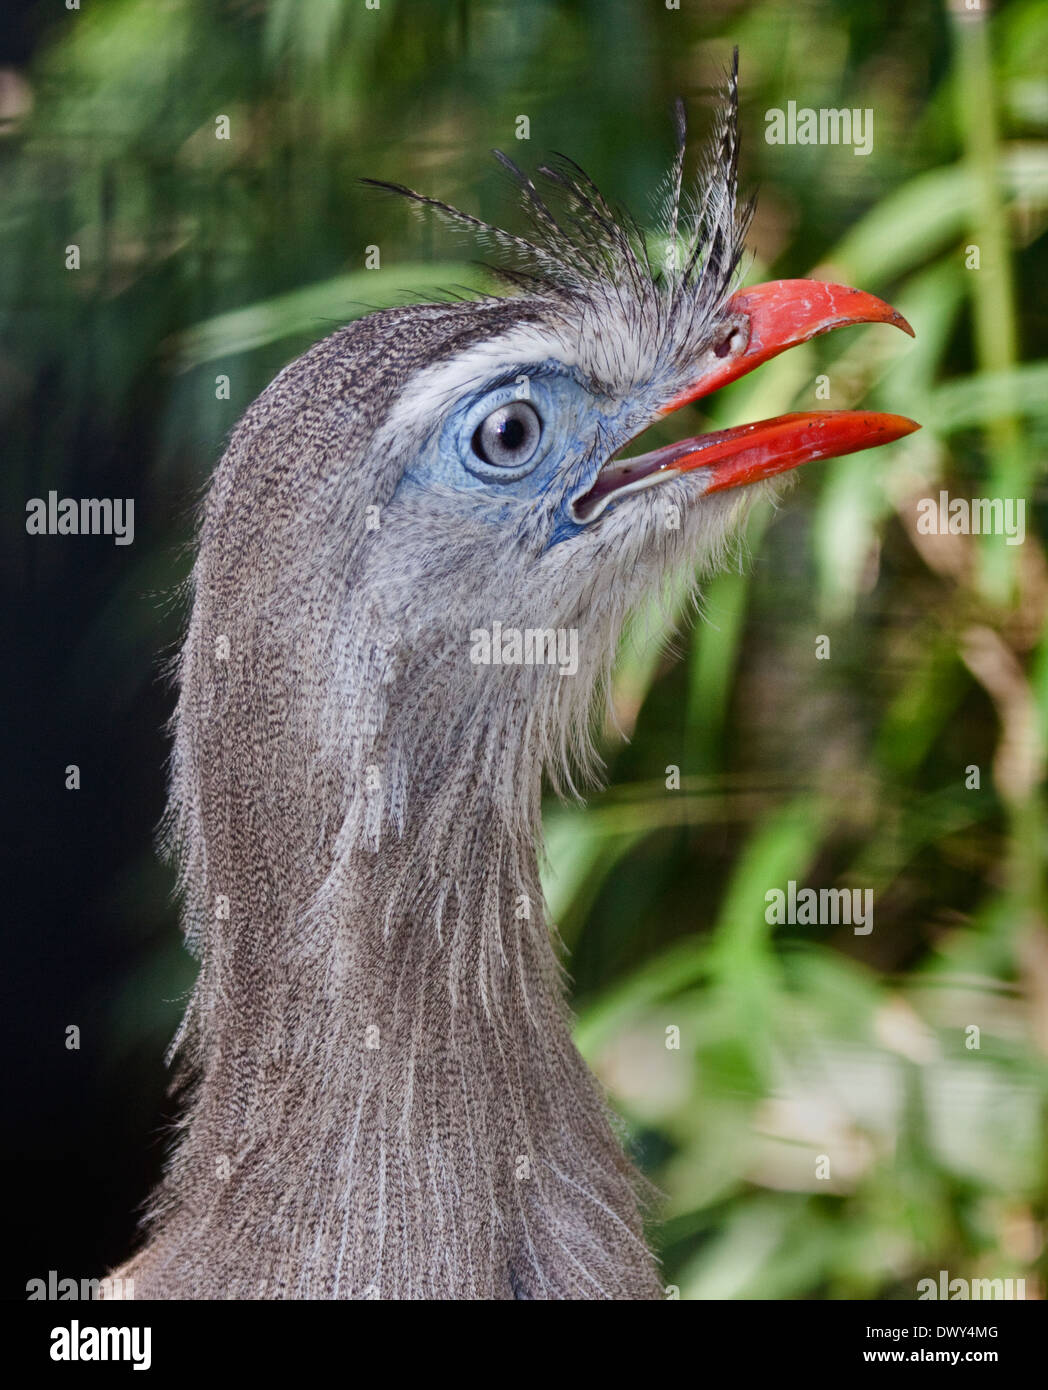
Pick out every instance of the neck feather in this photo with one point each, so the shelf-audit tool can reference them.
(386, 1098)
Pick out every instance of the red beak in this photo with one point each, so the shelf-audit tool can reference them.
(759, 323)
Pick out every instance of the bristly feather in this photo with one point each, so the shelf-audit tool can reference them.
(579, 247)
(676, 180)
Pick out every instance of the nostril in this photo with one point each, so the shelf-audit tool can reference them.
(722, 349)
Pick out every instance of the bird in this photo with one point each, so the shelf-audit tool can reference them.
(414, 561)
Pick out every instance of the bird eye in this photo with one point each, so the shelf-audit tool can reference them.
(509, 436)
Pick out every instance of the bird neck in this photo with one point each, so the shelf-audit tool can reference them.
(380, 1043)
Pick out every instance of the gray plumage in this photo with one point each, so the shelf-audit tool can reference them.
(383, 1096)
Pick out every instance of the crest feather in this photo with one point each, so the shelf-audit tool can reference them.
(581, 248)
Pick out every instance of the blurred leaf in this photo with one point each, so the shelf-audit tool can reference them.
(318, 309)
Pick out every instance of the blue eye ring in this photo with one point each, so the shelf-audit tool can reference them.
(469, 425)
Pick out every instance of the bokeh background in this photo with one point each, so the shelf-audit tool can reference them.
(204, 258)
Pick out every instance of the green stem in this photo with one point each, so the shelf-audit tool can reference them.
(992, 287)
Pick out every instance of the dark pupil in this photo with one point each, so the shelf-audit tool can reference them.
(512, 432)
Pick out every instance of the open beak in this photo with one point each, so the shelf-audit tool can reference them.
(758, 324)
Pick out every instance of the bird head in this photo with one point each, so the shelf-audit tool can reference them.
(434, 473)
